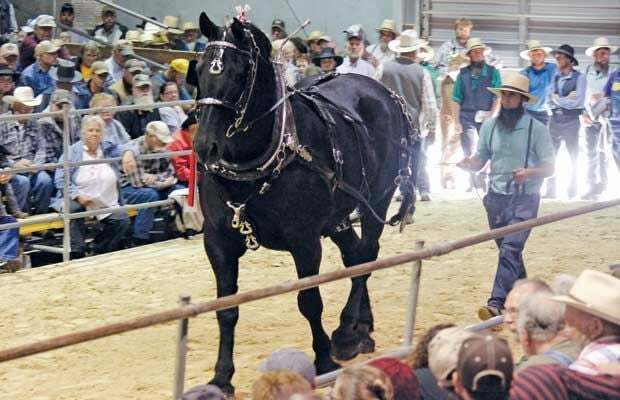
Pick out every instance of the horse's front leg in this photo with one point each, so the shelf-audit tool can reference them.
(224, 252)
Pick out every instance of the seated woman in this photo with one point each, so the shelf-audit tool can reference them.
(88, 55)
(93, 187)
(172, 116)
(114, 132)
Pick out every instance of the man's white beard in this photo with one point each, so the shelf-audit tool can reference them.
(144, 100)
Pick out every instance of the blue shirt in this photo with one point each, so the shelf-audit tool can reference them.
(540, 80)
(40, 81)
(507, 151)
(566, 102)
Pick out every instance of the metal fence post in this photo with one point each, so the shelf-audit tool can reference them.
(412, 303)
(179, 368)
(66, 208)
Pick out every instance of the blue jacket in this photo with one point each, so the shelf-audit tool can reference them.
(540, 80)
(76, 152)
(39, 80)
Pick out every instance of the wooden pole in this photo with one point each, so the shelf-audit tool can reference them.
(226, 302)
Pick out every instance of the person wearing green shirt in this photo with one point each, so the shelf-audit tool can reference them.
(521, 155)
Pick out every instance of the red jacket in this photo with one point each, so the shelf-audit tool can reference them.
(181, 164)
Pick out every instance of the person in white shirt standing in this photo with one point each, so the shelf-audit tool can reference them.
(387, 33)
(353, 62)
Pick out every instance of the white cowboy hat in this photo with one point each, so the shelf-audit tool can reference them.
(408, 41)
(426, 53)
(534, 45)
(595, 293)
(600, 43)
(516, 83)
(23, 95)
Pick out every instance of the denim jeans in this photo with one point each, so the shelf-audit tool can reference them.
(33, 192)
(597, 162)
(9, 239)
(143, 223)
(503, 210)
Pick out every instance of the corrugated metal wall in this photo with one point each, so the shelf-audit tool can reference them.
(505, 25)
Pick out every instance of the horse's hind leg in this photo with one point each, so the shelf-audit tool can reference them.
(307, 256)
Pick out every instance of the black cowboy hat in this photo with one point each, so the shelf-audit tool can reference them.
(6, 71)
(568, 51)
(65, 72)
(327, 52)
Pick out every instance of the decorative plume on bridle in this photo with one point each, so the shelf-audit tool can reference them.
(243, 13)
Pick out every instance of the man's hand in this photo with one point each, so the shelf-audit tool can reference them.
(5, 178)
(520, 175)
(84, 199)
(148, 179)
(129, 162)
(586, 120)
(22, 163)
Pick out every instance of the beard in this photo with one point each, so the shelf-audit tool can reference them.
(145, 100)
(509, 117)
(601, 67)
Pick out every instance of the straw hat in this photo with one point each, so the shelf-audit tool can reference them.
(314, 35)
(531, 46)
(160, 38)
(23, 95)
(388, 25)
(408, 41)
(474, 43)
(595, 293)
(189, 26)
(426, 53)
(516, 83)
(133, 36)
(600, 43)
(173, 24)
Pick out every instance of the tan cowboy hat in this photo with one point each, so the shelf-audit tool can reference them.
(23, 95)
(534, 45)
(173, 24)
(408, 41)
(426, 53)
(516, 83)
(474, 43)
(314, 35)
(388, 25)
(600, 43)
(595, 293)
(189, 26)
(133, 36)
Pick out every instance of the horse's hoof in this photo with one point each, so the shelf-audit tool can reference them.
(367, 345)
(226, 387)
(326, 365)
(345, 344)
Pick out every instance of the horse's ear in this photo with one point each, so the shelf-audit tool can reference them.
(208, 28)
(237, 29)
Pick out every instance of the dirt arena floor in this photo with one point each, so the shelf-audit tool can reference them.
(50, 301)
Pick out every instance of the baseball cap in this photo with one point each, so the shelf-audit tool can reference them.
(404, 381)
(134, 65)
(160, 130)
(45, 20)
(181, 65)
(124, 47)
(60, 96)
(443, 353)
(46, 47)
(9, 49)
(107, 10)
(485, 364)
(100, 67)
(291, 360)
(355, 32)
(278, 23)
(141, 80)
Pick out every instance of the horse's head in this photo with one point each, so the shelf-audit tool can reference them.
(236, 83)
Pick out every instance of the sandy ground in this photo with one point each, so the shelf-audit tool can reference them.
(51, 301)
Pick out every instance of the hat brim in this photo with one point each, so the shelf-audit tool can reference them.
(567, 54)
(388, 30)
(478, 46)
(573, 302)
(317, 60)
(590, 50)
(395, 46)
(30, 103)
(525, 54)
(498, 92)
(54, 75)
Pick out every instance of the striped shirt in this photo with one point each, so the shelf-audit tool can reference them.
(556, 382)
(602, 351)
(162, 168)
(22, 140)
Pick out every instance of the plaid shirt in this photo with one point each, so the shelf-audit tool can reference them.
(605, 350)
(160, 167)
(52, 133)
(22, 140)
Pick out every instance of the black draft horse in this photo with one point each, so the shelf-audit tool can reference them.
(284, 185)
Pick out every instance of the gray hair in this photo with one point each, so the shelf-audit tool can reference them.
(541, 317)
(92, 119)
(533, 284)
(562, 284)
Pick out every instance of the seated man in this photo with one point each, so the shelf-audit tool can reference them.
(149, 180)
(121, 53)
(176, 72)
(84, 91)
(541, 333)
(37, 75)
(52, 130)
(173, 116)
(592, 310)
(10, 53)
(26, 148)
(7, 85)
(135, 121)
(121, 89)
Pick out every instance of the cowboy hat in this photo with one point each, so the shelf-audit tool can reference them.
(600, 43)
(407, 42)
(516, 83)
(314, 35)
(531, 46)
(65, 72)
(474, 43)
(595, 293)
(23, 95)
(426, 53)
(189, 26)
(172, 23)
(568, 51)
(327, 52)
(388, 25)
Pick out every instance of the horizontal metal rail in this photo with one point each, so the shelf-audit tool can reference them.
(131, 107)
(232, 301)
(511, 16)
(133, 13)
(402, 352)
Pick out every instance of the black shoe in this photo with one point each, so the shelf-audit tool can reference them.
(76, 255)
(139, 242)
(488, 312)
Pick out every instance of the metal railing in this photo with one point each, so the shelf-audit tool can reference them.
(186, 310)
(65, 215)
